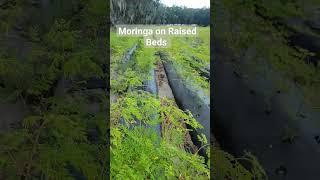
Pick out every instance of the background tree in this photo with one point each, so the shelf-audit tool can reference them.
(154, 12)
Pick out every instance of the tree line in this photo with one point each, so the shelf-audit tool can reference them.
(154, 12)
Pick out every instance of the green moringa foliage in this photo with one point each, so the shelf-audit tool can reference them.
(51, 144)
(138, 153)
(62, 135)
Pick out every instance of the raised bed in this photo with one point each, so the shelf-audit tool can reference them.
(189, 97)
(284, 142)
(151, 86)
(148, 86)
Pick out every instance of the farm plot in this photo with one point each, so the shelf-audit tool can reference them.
(150, 130)
(160, 113)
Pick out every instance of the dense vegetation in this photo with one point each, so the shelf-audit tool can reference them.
(137, 150)
(192, 58)
(154, 12)
(62, 136)
(133, 109)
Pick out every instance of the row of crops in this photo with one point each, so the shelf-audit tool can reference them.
(191, 58)
(271, 51)
(148, 132)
